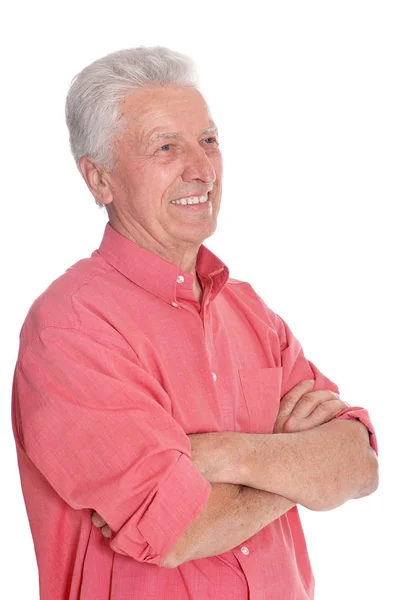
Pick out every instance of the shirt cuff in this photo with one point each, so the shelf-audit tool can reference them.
(177, 503)
(361, 414)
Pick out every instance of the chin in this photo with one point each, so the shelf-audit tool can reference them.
(197, 238)
(207, 233)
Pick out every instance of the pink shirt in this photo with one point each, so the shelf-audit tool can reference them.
(117, 363)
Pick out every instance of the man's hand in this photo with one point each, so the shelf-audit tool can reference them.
(301, 409)
(98, 521)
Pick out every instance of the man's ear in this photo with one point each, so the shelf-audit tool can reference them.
(96, 179)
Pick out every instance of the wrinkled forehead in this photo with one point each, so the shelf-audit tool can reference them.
(163, 109)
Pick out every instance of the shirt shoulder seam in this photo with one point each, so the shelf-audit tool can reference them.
(94, 276)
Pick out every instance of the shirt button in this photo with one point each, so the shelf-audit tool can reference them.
(174, 304)
(245, 550)
(214, 376)
(180, 279)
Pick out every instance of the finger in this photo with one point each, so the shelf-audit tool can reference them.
(328, 410)
(97, 520)
(289, 400)
(106, 531)
(323, 413)
(309, 402)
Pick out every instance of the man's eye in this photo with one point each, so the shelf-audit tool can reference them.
(210, 140)
(165, 147)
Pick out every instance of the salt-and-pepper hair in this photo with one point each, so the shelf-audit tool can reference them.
(92, 104)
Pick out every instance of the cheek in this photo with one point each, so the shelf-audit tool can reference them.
(150, 189)
(217, 163)
(220, 165)
(163, 181)
(147, 184)
(165, 177)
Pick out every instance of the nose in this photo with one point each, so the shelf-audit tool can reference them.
(198, 166)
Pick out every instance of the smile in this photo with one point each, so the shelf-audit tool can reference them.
(191, 200)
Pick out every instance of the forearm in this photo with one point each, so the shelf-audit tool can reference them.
(320, 468)
(232, 514)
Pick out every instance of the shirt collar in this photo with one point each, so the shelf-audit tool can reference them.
(157, 275)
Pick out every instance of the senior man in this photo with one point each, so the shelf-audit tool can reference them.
(167, 421)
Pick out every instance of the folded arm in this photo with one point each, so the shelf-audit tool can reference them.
(232, 515)
(320, 468)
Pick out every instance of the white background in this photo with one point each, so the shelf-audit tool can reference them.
(305, 95)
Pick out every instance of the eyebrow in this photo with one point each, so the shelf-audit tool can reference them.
(212, 129)
(176, 134)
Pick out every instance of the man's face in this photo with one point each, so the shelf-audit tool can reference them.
(167, 152)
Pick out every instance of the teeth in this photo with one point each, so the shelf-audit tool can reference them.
(192, 200)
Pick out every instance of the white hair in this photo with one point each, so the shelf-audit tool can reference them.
(92, 104)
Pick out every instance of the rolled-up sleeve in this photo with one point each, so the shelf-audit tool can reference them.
(99, 428)
(297, 368)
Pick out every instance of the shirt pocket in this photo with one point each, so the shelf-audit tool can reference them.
(261, 389)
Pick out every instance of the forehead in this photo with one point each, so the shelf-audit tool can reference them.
(167, 107)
